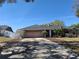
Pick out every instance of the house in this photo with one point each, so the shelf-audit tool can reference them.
(5, 30)
(36, 30)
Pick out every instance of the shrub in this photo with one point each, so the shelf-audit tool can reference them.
(44, 33)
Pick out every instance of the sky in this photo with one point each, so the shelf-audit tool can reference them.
(23, 14)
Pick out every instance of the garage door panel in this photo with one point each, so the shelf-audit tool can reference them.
(34, 34)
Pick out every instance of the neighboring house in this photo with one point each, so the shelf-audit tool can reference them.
(5, 27)
(5, 30)
(36, 30)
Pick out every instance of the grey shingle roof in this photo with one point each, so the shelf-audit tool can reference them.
(5, 27)
(42, 27)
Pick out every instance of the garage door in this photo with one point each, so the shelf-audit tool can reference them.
(34, 34)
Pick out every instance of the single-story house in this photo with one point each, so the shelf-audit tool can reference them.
(36, 30)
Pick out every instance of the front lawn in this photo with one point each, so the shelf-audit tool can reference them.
(71, 39)
(65, 39)
(4, 39)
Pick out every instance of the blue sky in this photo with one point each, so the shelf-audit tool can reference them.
(23, 14)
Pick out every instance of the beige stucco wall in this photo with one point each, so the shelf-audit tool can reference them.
(33, 33)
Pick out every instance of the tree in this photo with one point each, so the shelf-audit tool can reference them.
(13, 1)
(15, 36)
(58, 32)
(75, 29)
(21, 33)
(44, 33)
(75, 25)
(76, 7)
(57, 22)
